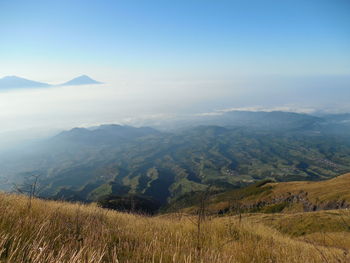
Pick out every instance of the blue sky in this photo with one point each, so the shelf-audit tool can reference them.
(221, 38)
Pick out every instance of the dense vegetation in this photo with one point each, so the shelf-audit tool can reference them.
(130, 203)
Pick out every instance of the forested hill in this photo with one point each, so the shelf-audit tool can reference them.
(225, 152)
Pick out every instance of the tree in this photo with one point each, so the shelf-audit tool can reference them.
(29, 188)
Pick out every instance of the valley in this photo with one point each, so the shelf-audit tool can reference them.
(87, 164)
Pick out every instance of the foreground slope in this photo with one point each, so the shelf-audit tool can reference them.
(48, 231)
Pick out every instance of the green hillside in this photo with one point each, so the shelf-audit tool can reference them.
(90, 164)
(167, 167)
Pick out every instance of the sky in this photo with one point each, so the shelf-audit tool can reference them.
(50, 40)
(159, 58)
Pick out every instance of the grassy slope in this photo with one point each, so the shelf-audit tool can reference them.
(335, 189)
(329, 228)
(321, 192)
(62, 232)
(302, 224)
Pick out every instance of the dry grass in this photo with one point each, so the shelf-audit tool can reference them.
(300, 224)
(321, 192)
(329, 239)
(62, 232)
(337, 188)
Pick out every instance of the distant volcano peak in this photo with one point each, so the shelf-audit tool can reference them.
(81, 80)
(12, 82)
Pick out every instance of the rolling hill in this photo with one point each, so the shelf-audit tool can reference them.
(87, 164)
(272, 197)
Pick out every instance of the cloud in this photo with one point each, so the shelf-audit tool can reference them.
(285, 108)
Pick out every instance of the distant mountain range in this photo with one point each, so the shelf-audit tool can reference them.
(14, 82)
(224, 152)
(103, 135)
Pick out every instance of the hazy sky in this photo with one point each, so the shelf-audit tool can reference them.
(165, 57)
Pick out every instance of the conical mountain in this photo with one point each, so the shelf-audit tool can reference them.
(81, 80)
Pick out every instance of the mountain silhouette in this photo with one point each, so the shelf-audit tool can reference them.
(81, 80)
(14, 82)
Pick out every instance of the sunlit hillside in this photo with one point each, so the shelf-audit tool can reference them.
(270, 197)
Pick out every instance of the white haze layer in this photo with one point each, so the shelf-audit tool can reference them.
(34, 113)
